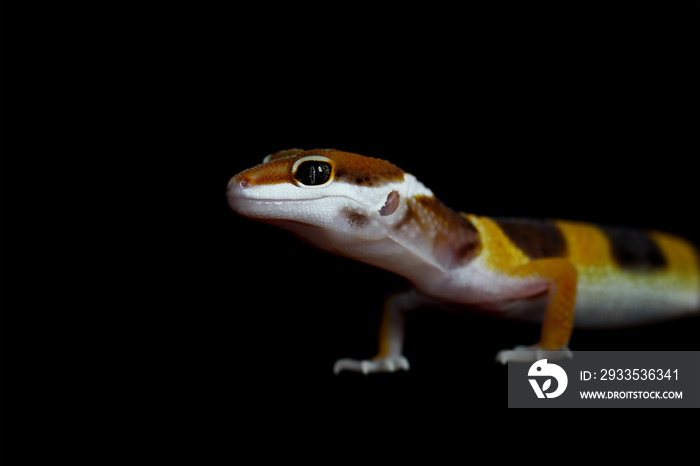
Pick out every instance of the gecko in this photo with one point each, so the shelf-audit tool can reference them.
(558, 273)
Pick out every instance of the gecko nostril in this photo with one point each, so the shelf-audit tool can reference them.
(244, 184)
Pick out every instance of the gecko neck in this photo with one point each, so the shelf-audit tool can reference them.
(418, 237)
(422, 239)
(430, 228)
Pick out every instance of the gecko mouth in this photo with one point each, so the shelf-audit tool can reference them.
(255, 207)
(246, 203)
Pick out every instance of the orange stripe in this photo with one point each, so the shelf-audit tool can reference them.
(586, 244)
(680, 255)
(498, 251)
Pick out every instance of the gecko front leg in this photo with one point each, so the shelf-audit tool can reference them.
(389, 358)
(558, 319)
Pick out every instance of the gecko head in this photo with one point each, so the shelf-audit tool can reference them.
(322, 195)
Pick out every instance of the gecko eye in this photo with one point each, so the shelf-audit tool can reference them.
(313, 173)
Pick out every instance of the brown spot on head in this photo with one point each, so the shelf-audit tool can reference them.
(356, 219)
(360, 170)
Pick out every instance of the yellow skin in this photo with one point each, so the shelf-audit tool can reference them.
(504, 257)
(561, 273)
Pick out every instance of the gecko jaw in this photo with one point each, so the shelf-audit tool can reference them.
(239, 203)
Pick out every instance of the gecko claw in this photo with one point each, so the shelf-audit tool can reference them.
(365, 367)
(370, 366)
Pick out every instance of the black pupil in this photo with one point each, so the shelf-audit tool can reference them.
(313, 173)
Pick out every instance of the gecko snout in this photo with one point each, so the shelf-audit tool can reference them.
(242, 182)
(239, 181)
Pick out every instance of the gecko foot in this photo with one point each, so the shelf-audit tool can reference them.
(367, 366)
(532, 353)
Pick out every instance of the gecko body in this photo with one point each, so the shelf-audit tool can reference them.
(560, 273)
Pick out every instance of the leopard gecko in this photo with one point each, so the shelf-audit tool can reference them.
(560, 273)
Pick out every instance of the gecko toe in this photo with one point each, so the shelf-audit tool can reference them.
(370, 366)
(532, 353)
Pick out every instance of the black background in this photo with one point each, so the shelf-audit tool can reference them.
(133, 294)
